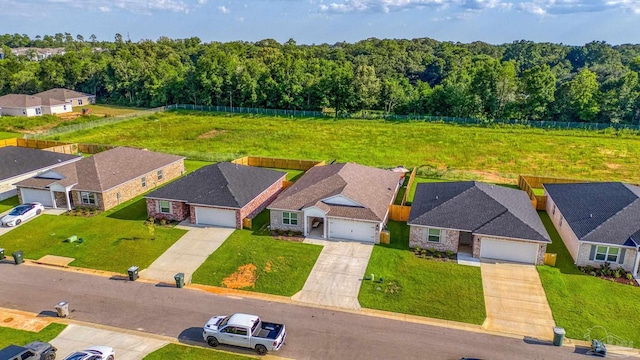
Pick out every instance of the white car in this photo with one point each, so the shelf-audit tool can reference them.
(21, 213)
(93, 353)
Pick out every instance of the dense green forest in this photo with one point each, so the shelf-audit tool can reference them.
(596, 82)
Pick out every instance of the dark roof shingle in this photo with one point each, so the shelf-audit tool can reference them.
(61, 94)
(15, 161)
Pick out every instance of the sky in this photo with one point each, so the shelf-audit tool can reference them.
(570, 22)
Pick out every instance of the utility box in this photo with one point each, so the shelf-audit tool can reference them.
(133, 273)
(63, 309)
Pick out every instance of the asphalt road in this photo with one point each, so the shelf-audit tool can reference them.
(311, 333)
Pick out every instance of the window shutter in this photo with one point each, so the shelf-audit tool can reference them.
(621, 256)
(592, 255)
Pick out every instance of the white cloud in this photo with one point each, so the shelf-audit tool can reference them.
(385, 6)
(141, 6)
(223, 9)
(202, 2)
(104, 8)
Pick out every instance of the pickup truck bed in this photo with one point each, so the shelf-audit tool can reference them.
(268, 330)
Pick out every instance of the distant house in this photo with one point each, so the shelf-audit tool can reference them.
(21, 105)
(53, 106)
(75, 98)
(103, 180)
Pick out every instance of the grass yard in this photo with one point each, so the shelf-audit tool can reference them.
(109, 110)
(292, 175)
(581, 302)
(8, 135)
(193, 165)
(175, 351)
(113, 240)
(9, 203)
(252, 260)
(457, 151)
(421, 287)
(9, 336)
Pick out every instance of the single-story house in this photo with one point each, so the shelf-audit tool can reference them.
(103, 180)
(598, 222)
(223, 194)
(75, 98)
(338, 201)
(21, 105)
(18, 163)
(489, 221)
(53, 106)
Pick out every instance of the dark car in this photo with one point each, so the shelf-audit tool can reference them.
(36, 350)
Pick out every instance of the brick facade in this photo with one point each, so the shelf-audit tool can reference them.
(449, 239)
(585, 251)
(179, 210)
(255, 206)
(276, 221)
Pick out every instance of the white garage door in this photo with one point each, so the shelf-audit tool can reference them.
(216, 217)
(41, 196)
(352, 230)
(509, 250)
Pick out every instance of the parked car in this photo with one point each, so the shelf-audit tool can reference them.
(246, 331)
(93, 353)
(21, 213)
(36, 350)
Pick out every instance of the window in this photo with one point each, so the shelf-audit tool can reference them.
(432, 235)
(79, 101)
(605, 253)
(165, 207)
(289, 218)
(64, 107)
(38, 111)
(144, 181)
(241, 331)
(87, 198)
(561, 218)
(160, 175)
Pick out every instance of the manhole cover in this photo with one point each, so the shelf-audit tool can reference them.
(8, 320)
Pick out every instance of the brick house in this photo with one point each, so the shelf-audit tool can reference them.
(220, 195)
(103, 180)
(486, 220)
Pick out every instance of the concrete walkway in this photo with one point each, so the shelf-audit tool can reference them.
(187, 254)
(336, 277)
(127, 346)
(515, 300)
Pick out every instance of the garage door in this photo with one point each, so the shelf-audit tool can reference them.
(216, 217)
(352, 230)
(509, 250)
(41, 196)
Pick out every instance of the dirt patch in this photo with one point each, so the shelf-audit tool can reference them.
(243, 278)
(267, 266)
(491, 177)
(212, 133)
(613, 166)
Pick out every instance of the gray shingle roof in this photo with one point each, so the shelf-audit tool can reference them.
(15, 161)
(61, 94)
(19, 101)
(370, 187)
(478, 208)
(606, 212)
(223, 184)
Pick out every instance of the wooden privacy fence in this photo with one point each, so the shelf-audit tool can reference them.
(399, 212)
(277, 163)
(409, 185)
(9, 142)
(529, 182)
(56, 146)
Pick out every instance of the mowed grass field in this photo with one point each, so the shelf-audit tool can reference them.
(470, 152)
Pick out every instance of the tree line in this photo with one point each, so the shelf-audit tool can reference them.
(596, 82)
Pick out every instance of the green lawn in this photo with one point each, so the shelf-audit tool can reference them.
(9, 203)
(292, 175)
(9, 135)
(580, 302)
(282, 267)
(175, 351)
(110, 110)
(193, 165)
(477, 151)
(113, 240)
(9, 336)
(443, 290)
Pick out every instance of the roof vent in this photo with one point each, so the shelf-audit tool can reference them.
(591, 215)
(436, 197)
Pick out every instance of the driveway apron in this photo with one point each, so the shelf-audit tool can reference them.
(127, 347)
(515, 300)
(187, 254)
(336, 277)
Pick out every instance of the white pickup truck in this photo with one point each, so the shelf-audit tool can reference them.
(246, 331)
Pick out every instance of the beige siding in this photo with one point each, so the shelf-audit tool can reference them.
(585, 252)
(276, 221)
(566, 233)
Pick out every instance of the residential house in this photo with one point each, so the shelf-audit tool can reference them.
(74, 98)
(223, 194)
(21, 105)
(103, 180)
(337, 201)
(488, 221)
(18, 163)
(598, 222)
(52, 106)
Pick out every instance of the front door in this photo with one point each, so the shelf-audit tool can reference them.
(466, 238)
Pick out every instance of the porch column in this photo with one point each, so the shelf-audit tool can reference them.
(325, 226)
(66, 194)
(53, 199)
(635, 264)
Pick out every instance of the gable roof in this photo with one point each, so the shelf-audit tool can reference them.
(19, 101)
(15, 161)
(53, 102)
(62, 94)
(607, 212)
(370, 187)
(478, 208)
(223, 184)
(105, 170)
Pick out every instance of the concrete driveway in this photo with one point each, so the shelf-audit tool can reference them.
(187, 254)
(515, 300)
(336, 277)
(128, 347)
